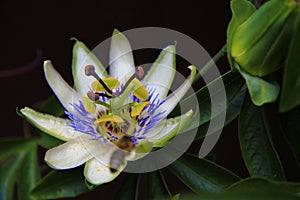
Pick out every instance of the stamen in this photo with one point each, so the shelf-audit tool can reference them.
(103, 95)
(93, 96)
(111, 83)
(90, 71)
(138, 108)
(140, 91)
(88, 105)
(139, 72)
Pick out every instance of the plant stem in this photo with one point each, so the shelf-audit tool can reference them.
(211, 63)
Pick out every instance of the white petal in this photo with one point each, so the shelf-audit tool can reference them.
(120, 57)
(102, 151)
(173, 99)
(62, 90)
(167, 129)
(55, 126)
(82, 57)
(97, 173)
(162, 72)
(69, 155)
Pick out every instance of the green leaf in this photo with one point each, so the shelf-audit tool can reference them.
(52, 106)
(255, 188)
(235, 92)
(234, 85)
(233, 109)
(156, 186)
(48, 141)
(129, 188)
(9, 146)
(290, 122)
(202, 175)
(176, 197)
(257, 147)
(255, 43)
(22, 165)
(8, 175)
(29, 173)
(61, 184)
(260, 185)
(241, 11)
(260, 90)
(290, 95)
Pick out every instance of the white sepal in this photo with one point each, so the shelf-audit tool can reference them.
(167, 129)
(172, 100)
(54, 126)
(161, 74)
(82, 57)
(120, 57)
(65, 94)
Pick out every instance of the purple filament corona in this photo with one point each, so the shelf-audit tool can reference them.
(83, 121)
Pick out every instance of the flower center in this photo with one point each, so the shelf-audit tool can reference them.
(121, 113)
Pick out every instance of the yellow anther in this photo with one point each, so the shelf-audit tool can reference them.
(139, 90)
(137, 108)
(88, 105)
(109, 118)
(112, 83)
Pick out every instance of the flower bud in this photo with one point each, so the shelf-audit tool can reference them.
(259, 43)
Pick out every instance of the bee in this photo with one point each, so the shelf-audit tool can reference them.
(125, 146)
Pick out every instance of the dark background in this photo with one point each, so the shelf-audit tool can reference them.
(27, 26)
